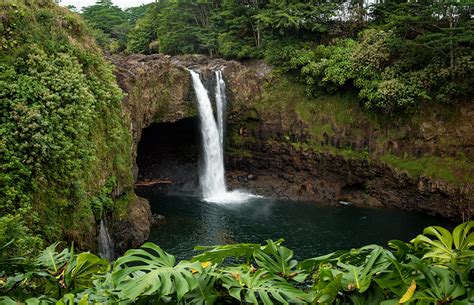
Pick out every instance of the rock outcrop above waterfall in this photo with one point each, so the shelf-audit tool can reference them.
(157, 90)
(283, 144)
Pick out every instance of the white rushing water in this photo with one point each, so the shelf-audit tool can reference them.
(212, 177)
(105, 244)
(221, 103)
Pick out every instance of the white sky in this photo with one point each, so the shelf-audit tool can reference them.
(122, 3)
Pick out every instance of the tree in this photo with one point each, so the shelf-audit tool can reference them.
(110, 20)
(144, 31)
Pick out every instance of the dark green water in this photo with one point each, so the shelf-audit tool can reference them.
(309, 229)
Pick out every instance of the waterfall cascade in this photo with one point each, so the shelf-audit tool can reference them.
(212, 179)
(212, 176)
(221, 103)
(105, 243)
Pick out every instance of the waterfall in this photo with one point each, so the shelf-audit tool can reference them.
(212, 179)
(220, 105)
(212, 176)
(105, 244)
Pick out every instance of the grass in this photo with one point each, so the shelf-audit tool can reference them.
(451, 170)
(345, 152)
(339, 109)
(340, 115)
(238, 152)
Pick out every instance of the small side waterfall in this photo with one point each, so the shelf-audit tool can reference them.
(212, 177)
(105, 243)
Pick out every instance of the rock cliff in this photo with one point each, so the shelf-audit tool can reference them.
(283, 144)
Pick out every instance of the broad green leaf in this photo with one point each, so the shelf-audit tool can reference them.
(440, 249)
(205, 292)
(246, 285)
(51, 259)
(462, 236)
(7, 301)
(278, 260)
(83, 269)
(217, 254)
(149, 271)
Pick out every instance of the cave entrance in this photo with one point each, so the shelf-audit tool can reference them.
(167, 156)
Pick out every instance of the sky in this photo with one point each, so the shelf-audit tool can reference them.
(122, 3)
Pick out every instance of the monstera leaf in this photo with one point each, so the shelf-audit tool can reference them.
(357, 266)
(217, 254)
(359, 276)
(260, 287)
(149, 271)
(205, 293)
(83, 269)
(42, 300)
(52, 260)
(278, 260)
(327, 287)
(349, 273)
(400, 249)
(314, 263)
(397, 278)
(438, 285)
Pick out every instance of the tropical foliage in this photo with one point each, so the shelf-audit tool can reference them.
(434, 268)
(64, 146)
(111, 24)
(395, 54)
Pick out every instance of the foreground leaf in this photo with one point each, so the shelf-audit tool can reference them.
(142, 273)
(260, 287)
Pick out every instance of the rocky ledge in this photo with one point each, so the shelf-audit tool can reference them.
(280, 171)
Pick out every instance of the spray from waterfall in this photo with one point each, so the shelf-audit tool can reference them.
(105, 243)
(212, 178)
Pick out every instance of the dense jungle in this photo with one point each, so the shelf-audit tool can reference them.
(237, 152)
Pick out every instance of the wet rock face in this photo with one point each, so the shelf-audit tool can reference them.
(279, 171)
(157, 91)
(134, 228)
(159, 88)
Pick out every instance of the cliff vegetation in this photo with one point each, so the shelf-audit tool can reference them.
(65, 152)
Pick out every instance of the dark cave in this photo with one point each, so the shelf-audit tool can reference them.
(168, 153)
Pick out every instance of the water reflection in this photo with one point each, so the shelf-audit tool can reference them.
(308, 229)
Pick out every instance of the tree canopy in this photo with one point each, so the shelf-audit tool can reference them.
(395, 54)
(111, 23)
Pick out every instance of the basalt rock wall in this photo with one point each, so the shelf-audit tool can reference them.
(275, 148)
(278, 170)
